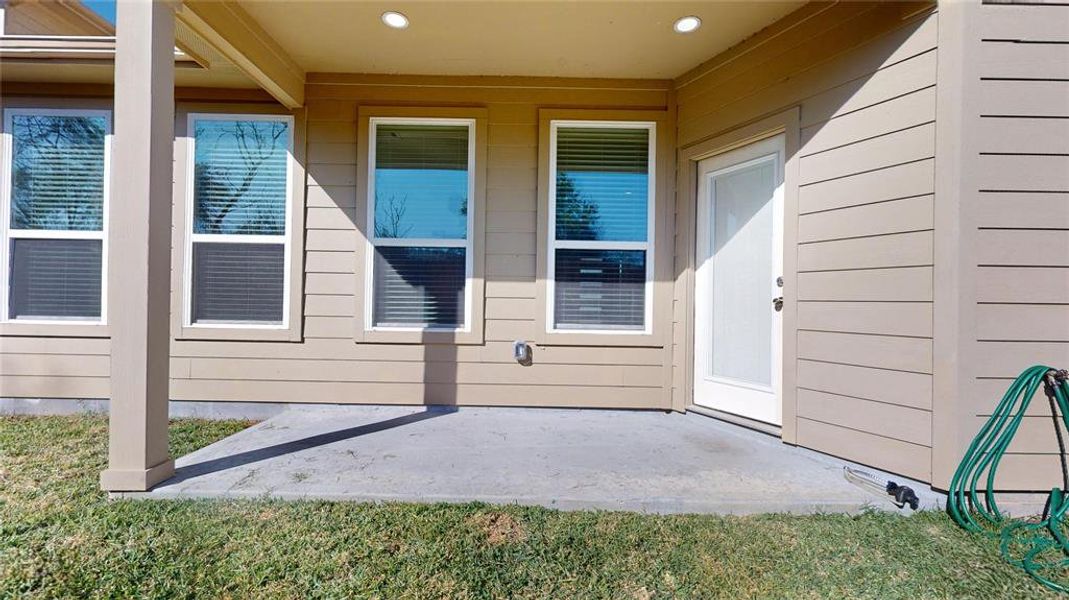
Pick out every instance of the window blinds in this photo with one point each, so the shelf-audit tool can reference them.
(600, 289)
(419, 286)
(238, 282)
(240, 177)
(601, 218)
(420, 224)
(57, 174)
(55, 279)
(55, 229)
(241, 170)
(602, 183)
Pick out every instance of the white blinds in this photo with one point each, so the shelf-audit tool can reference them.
(420, 192)
(57, 172)
(240, 178)
(600, 289)
(240, 191)
(602, 183)
(421, 181)
(238, 282)
(600, 246)
(54, 239)
(55, 279)
(419, 286)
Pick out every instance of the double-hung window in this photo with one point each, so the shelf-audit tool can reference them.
(238, 248)
(54, 215)
(421, 186)
(601, 225)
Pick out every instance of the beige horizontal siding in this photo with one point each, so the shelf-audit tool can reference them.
(898, 456)
(289, 369)
(1022, 285)
(915, 143)
(412, 393)
(877, 384)
(1023, 98)
(1034, 248)
(864, 79)
(888, 420)
(54, 345)
(52, 386)
(1022, 210)
(1021, 235)
(896, 216)
(897, 114)
(892, 250)
(65, 365)
(1025, 59)
(877, 351)
(891, 183)
(329, 367)
(912, 319)
(906, 284)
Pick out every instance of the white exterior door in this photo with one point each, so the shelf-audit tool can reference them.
(738, 329)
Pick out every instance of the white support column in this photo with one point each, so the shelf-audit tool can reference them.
(140, 246)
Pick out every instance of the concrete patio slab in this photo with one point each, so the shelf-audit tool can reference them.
(566, 459)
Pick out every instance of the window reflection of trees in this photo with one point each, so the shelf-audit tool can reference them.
(577, 216)
(57, 173)
(390, 217)
(228, 198)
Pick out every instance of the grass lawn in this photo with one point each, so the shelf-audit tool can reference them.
(61, 537)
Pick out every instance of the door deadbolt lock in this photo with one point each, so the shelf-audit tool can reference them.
(777, 303)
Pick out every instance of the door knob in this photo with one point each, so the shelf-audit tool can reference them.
(777, 303)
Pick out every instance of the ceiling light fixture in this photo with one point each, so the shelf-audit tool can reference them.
(395, 20)
(687, 24)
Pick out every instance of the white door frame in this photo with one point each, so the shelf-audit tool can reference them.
(785, 122)
(758, 402)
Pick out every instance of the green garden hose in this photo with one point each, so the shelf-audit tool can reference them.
(1039, 546)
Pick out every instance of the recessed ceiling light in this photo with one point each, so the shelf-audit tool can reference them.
(395, 20)
(683, 24)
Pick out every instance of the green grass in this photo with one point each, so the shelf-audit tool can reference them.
(61, 537)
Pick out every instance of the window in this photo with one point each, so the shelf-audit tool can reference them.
(54, 215)
(601, 224)
(420, 215)
(238, 245)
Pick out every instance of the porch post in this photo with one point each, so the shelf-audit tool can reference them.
(140, 246)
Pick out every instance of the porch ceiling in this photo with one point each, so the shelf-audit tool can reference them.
(627, 39)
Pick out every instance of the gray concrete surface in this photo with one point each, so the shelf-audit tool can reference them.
(567, 459)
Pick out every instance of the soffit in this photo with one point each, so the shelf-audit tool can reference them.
(628, 39)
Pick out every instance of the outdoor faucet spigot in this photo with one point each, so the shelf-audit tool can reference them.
(521, 352)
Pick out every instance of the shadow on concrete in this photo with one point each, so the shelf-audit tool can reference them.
(251, 456)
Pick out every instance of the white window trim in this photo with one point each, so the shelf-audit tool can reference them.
(373, 241)
(552, 244)
(191, 238)
(7, 234)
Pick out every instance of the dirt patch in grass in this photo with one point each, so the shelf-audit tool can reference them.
(499, 528)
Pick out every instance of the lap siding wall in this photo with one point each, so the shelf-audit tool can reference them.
(1019, 206)
(864, 78)
(327, 365)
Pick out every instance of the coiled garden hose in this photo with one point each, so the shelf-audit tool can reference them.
(1039, 546)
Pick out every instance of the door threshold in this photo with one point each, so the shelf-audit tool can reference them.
(760, 426)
